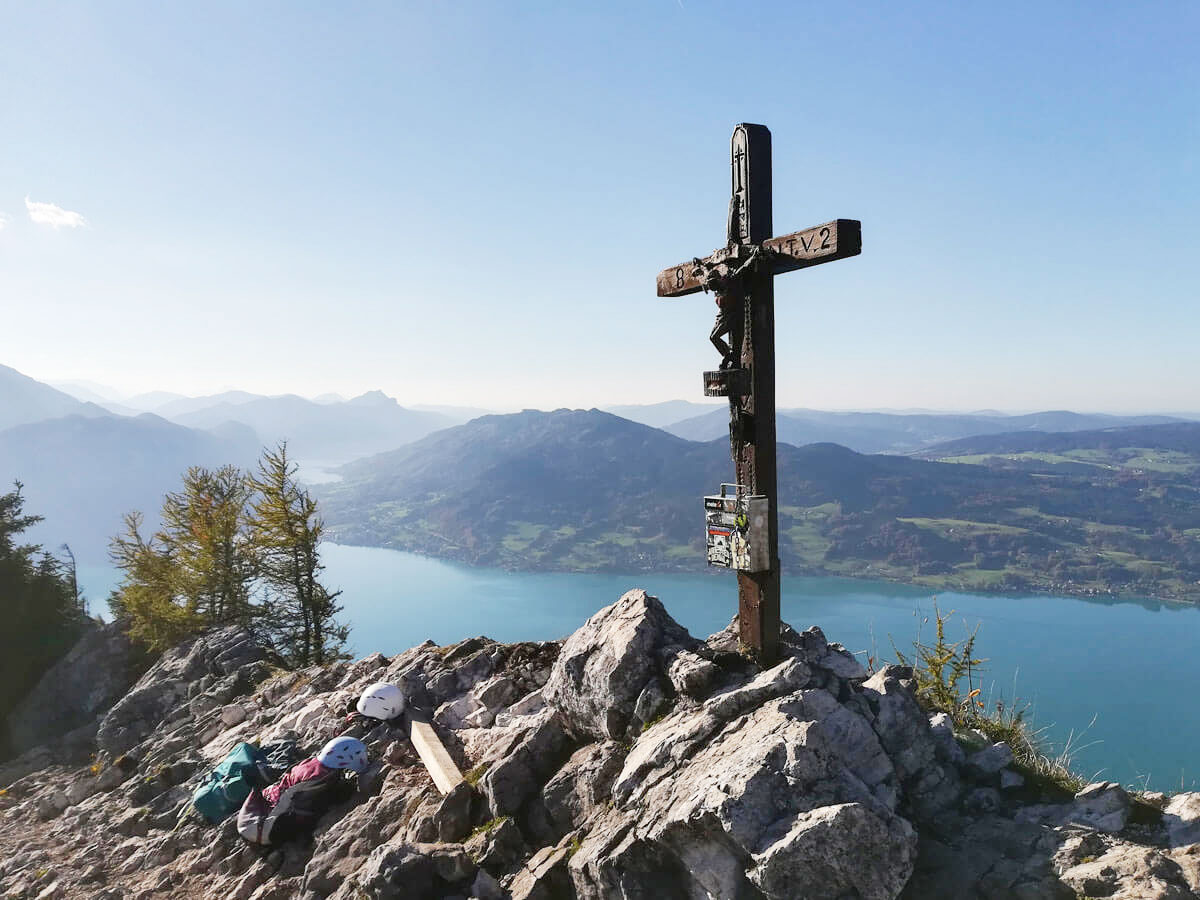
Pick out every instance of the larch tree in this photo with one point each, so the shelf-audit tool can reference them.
(205, 532)
(147, 603)
(286, 530)
(233, 549)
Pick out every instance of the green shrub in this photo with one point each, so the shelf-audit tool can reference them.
(472, 777)
(939, 670)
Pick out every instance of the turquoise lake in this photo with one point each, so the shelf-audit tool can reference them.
(1115, 677)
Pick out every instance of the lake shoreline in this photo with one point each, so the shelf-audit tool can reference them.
(1067, 656)
(666, 568)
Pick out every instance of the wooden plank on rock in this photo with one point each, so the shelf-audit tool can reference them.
(429, 747)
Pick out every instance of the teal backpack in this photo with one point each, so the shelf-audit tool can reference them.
(242, 770)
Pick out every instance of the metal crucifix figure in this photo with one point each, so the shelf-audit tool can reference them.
(741, 275)
(729, 293)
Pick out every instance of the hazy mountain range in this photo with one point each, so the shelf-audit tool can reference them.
(1180, 437)
(323, 432)
(83, 465)
(344, 431)
(82, 473)
(23, 400)
(877, 432)
(574, 489)
(671, 412)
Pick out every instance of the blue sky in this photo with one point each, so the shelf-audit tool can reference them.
(468, 202)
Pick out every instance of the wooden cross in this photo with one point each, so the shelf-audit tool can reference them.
(753, 258)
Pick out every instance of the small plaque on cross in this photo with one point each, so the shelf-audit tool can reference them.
(727, 383)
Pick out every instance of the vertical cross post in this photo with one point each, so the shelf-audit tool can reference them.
(741, 274)
(752, 419)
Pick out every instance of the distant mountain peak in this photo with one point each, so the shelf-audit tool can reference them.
(24, 399)
(329, 398)
(373, 398)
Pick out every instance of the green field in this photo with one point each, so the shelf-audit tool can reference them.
(1132, 459)
(950, 526)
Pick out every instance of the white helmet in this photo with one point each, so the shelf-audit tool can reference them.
(344, 753)
(381, 701)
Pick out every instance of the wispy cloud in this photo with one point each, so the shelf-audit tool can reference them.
(53, 215)
(3, 221)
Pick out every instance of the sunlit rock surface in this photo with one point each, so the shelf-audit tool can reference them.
(630, 761)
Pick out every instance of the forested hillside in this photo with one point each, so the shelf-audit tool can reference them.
(39, 605)
(584, 490)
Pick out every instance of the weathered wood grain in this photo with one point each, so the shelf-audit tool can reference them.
(839, 239)
(687, 278)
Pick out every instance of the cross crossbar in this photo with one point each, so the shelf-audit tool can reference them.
(839, 239)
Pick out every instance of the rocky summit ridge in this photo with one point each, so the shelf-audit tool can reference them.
(630, 760)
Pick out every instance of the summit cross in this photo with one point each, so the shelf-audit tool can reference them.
(742, 275)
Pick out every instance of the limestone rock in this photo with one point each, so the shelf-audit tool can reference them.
(838, 851)
(692, 675)
(605, 665)
(710, 806)
(990, 760)
(1181, 815)
(582, 785)
(498, 845)
(787, 677)
(454, 816)
(910, 742)
(841, 663)
(1103, 805)
(982, 800)
(979, 857)
(529, 705)
(1129, 872)
(51, 804)
(233, 714)
(512, 780)
(80, 790)
(1010, 780)
(454, 714)
(74, 691)
(941, 728)
(1187, 857)
(396, 872)
(164, 687)
(634, 764)
(544, 877)
(496, 693)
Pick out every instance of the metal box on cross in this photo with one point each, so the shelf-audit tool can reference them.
(727, 383)
(736, 530)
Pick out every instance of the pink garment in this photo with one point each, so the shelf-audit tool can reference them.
(309, 770)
